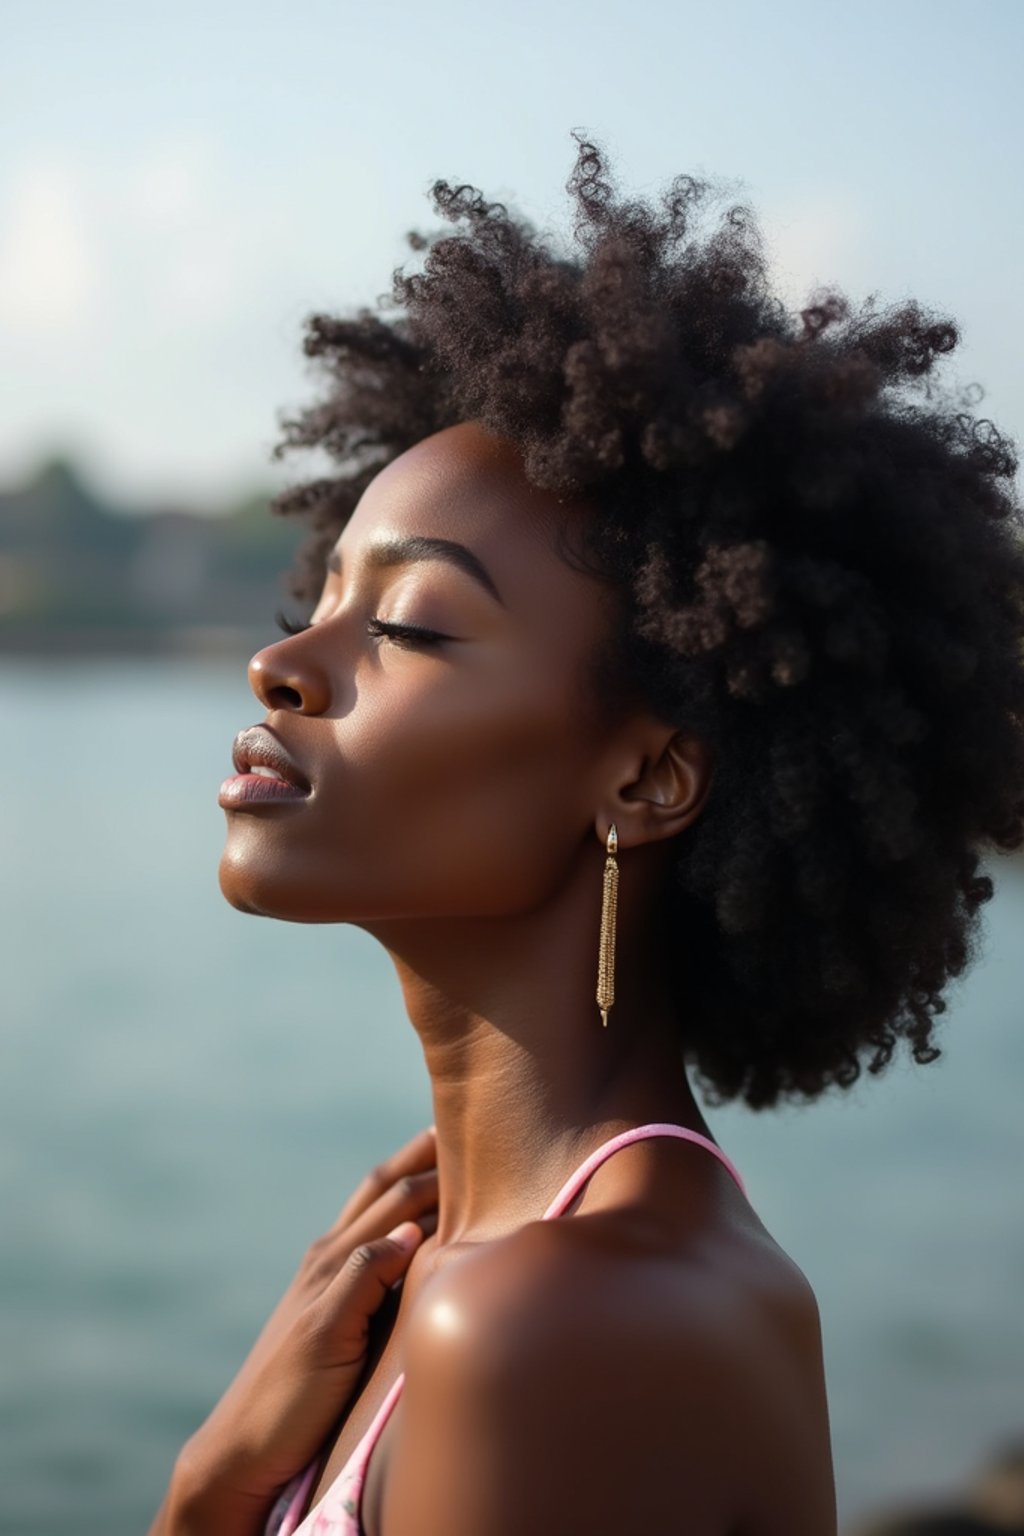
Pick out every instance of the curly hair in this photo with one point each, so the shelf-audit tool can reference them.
(820, 560)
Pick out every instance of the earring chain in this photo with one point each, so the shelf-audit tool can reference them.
(606, 949)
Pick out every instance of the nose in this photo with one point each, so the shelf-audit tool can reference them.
(287, 676)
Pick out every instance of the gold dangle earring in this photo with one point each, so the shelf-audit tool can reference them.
(606, 950)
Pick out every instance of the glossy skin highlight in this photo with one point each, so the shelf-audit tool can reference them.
(462, 789)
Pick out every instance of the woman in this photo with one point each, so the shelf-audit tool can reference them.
(626, 574)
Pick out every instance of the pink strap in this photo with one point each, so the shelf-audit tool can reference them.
(378, 1418)
(360, 1458)
(579, 1177)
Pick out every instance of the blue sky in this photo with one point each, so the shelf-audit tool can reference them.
(180, 186)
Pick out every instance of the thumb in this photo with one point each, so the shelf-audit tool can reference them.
(368, 1274)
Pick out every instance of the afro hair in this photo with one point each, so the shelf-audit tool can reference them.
(819, 555)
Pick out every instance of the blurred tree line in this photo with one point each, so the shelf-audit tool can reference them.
(77, 574)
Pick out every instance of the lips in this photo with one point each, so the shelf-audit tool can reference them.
(258, 750)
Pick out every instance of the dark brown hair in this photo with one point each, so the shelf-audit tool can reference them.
(820, 558)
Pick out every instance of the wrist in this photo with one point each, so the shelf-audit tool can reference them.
(199, 1503)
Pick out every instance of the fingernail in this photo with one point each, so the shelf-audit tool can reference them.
(407, 1234)
(432, 1129)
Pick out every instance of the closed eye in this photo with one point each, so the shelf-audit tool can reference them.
(404, 634)
(379, 629)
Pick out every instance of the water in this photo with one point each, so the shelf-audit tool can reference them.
(189, 1094)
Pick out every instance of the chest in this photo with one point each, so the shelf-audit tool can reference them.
(383, 1365)
(347, 1438)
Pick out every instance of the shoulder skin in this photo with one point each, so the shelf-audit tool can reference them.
(557, 1381)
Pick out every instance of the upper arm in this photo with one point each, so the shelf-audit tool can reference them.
(549, 1391)
(789, 1487)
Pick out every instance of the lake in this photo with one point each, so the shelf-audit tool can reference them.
(170, 1138)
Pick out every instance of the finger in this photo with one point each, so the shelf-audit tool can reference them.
(414, 1195)
(414, 1198)
(428, 1222)
(418, 1155)
(344, 1310)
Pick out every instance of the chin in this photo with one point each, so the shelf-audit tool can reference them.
(256, 886)
(249, 886)
(237, 892)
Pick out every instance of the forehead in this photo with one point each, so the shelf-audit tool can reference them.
(467, 485)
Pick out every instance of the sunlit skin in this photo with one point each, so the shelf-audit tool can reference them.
(462, 791)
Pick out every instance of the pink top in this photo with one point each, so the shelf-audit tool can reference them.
(338, 1512)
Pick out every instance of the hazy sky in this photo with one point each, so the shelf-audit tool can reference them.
(180, 186)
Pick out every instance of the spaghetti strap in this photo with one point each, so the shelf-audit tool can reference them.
(338, 1511)
(580, 1175)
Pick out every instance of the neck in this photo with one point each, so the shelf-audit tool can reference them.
(524, 1078)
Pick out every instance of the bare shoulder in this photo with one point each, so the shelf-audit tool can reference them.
(575, 1375)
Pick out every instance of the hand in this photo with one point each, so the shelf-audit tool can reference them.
(307, 1361)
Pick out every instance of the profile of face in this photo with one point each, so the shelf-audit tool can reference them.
(440, 705)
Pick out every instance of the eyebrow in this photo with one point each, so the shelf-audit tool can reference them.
(404, 550)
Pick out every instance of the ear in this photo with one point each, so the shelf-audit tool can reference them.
(661, 790)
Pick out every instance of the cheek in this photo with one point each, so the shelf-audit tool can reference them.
(458, 794)
(465, 799)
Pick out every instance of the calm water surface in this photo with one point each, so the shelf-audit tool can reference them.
(189, 1094)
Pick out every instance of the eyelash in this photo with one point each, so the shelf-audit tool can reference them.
(379, 629)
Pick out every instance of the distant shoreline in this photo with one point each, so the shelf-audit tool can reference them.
(94, 642)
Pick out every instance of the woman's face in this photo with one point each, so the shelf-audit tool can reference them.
(454, 773)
